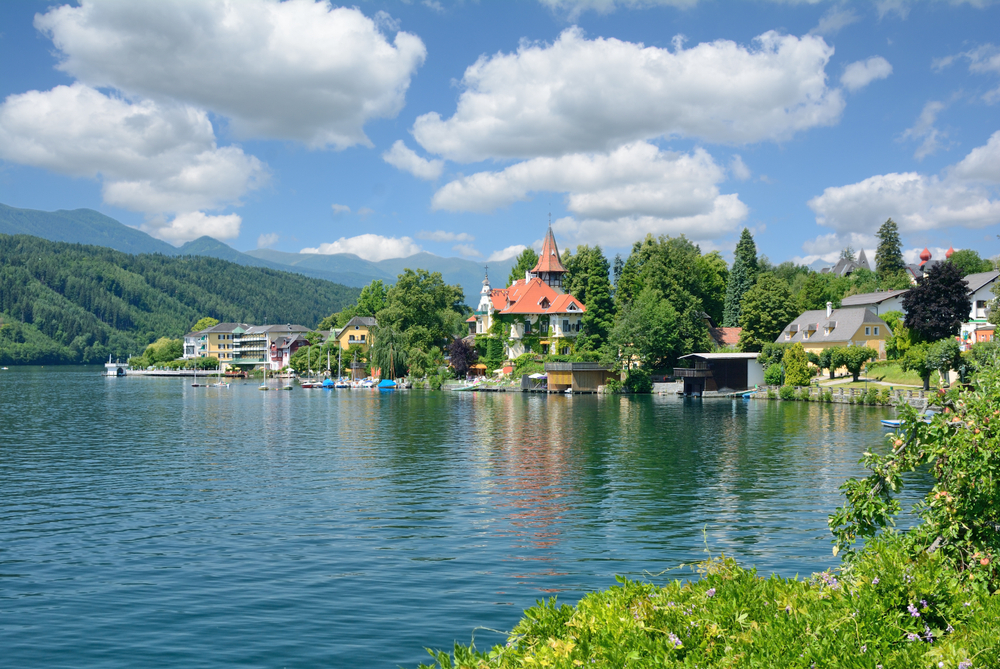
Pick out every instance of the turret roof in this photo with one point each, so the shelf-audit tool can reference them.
(548, 259)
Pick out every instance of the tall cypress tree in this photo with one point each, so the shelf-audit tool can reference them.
(889, 255)
(742, 277)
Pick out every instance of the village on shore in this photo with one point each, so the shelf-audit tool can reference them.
(668, 319)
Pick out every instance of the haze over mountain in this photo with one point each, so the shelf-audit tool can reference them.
(86, 226)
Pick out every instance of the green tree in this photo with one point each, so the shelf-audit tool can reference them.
(526, 262)
(420, 306)
(767, 308)
(587, 279)
(742, 277)
(938, 305)
(826, 360)
(889, 254)
(388, 352)
(853, 358)
(646, 331)
(944, 356)
(204, 324)
(796, 366)
(715, 277)
(968, 262)
(899, 339)
(772, 353)
(847, 253)
(372, 299)
(915, 360)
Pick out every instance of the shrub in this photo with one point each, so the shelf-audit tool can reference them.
(796, 366)
(803, 394)
(614, 386)
(828, 396)
(885, 397)
(787, 393)
(638, 380)
(773, 375)
(435, 381)
(771, 395)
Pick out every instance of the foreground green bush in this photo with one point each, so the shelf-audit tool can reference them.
(891, 612)
(928, 597)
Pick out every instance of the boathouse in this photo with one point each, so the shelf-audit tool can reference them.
(720, 373)
(580, 377)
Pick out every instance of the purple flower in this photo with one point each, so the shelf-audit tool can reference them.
(913, 610)
(710, 592)
(912, 637)
(864, 648)
(965, 664)
(875, 581)
(950, 629)
(923, 603)
(674, 639)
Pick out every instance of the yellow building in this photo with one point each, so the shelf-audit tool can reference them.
(356, 332)
(847, 326)
(220, 341)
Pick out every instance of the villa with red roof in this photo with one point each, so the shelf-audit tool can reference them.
(534, 313)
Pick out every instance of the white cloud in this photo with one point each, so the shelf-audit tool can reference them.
(618, 197)
(151, 157)
(192, 225)
(594, 95)
(402, 157)
(576, 7)
(924, 129)
(826, 249)
(964, 195)
(340, 209)
(267, 240)
(739, 169)
(982, 164)
(443, 236)
(365, 212)
(297, 70)
(859, 74)
(466, 250)
(834, 20)
(370, 247)
(507, 253)
(984, 59)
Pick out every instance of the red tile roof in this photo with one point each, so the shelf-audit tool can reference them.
(533, 297)
(725, 336)
(548, 259)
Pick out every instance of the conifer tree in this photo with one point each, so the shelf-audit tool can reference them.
(938, 305)
(742, 277)
(889, 254)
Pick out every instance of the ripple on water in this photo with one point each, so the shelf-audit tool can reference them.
(143, 521)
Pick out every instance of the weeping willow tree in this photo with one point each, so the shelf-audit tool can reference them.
(388, 351)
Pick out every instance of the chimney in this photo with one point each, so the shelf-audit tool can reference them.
(829, 309)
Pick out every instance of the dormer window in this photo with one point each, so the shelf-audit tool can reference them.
(544, 304)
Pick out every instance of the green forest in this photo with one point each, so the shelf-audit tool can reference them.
(70, 303)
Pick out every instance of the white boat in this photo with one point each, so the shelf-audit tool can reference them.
(112, 368)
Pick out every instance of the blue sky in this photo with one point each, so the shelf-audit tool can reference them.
(457, 128)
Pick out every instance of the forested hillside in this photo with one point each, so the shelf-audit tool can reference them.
(69, 303)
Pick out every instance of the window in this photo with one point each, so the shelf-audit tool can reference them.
(980, 304)
(788, 335)
(565, 326)
(362, 337)
(868, 330)
(527, 327)
(350, 337)
(876, 330)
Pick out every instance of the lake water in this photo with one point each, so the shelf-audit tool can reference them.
(143, 521)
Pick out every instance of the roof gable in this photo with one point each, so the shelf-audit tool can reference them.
(548, 259)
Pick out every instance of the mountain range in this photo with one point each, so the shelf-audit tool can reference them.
(86, 226)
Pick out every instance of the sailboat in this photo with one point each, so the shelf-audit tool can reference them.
(196, 384)
(263, 386)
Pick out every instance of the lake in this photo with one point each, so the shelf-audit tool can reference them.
(143, 521)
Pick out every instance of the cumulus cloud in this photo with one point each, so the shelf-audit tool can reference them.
(964, 195)
(370, 247)
(861, 73)
(151, 157)
(192, 225)
(267, 240)
(619, 196)
(340, 209)
(296, 70)
(576, 7)
(402, 157)
(443, 236)
(594, 95)
(507, 253)
(826, 249)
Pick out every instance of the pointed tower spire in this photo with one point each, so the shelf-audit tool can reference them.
(549, 268)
